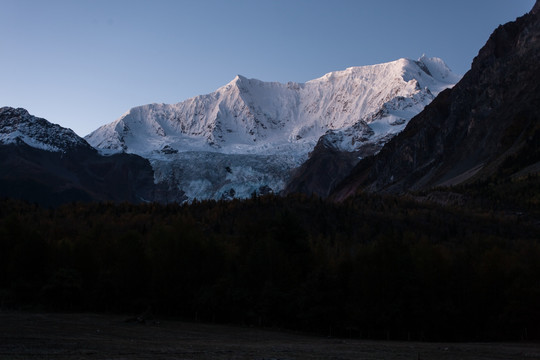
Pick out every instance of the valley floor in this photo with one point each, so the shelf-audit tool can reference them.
(89, 336)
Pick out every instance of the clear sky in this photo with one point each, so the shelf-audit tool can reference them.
(83, 63)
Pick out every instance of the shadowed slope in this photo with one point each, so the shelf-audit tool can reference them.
(487, 125)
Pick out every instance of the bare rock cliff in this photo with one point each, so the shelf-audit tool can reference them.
(487, 125)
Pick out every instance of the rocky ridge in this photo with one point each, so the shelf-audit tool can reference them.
(18, 126)
(485, 126)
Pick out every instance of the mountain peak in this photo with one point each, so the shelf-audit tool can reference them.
(17, 125)
(8, 110)
(237, 82)
(438, 69)
(238, 79)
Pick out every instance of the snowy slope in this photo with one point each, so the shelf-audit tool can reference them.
(359, 105)
(17, 125)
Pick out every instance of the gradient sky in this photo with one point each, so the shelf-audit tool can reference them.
(82, 64)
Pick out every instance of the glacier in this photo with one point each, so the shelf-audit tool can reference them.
(249, 135)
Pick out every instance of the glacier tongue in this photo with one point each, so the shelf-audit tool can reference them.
(249, 135)
(213, 175)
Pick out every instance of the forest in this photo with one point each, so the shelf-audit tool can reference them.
(373, 267)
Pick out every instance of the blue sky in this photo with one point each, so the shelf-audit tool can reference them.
(82, 64)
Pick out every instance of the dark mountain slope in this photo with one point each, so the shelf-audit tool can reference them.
(53, 178)
(45, 163)
(486, 126)
(326, 167)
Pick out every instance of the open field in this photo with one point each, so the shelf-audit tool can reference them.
(90, 336)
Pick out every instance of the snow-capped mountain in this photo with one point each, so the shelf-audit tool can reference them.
(17, 125)
(201, 145)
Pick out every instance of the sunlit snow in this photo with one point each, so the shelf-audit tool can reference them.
(266, 129)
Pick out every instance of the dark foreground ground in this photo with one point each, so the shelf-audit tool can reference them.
(89, 336)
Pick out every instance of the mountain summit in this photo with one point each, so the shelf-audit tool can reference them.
(18, 126)
(252, 134)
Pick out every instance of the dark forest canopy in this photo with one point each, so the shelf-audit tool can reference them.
(370, 267)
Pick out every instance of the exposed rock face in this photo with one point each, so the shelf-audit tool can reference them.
(487, 125)
(18, 126)
(45, 163)
(324, 169)
(328, 164)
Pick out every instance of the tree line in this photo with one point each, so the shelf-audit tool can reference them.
(372, 267)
